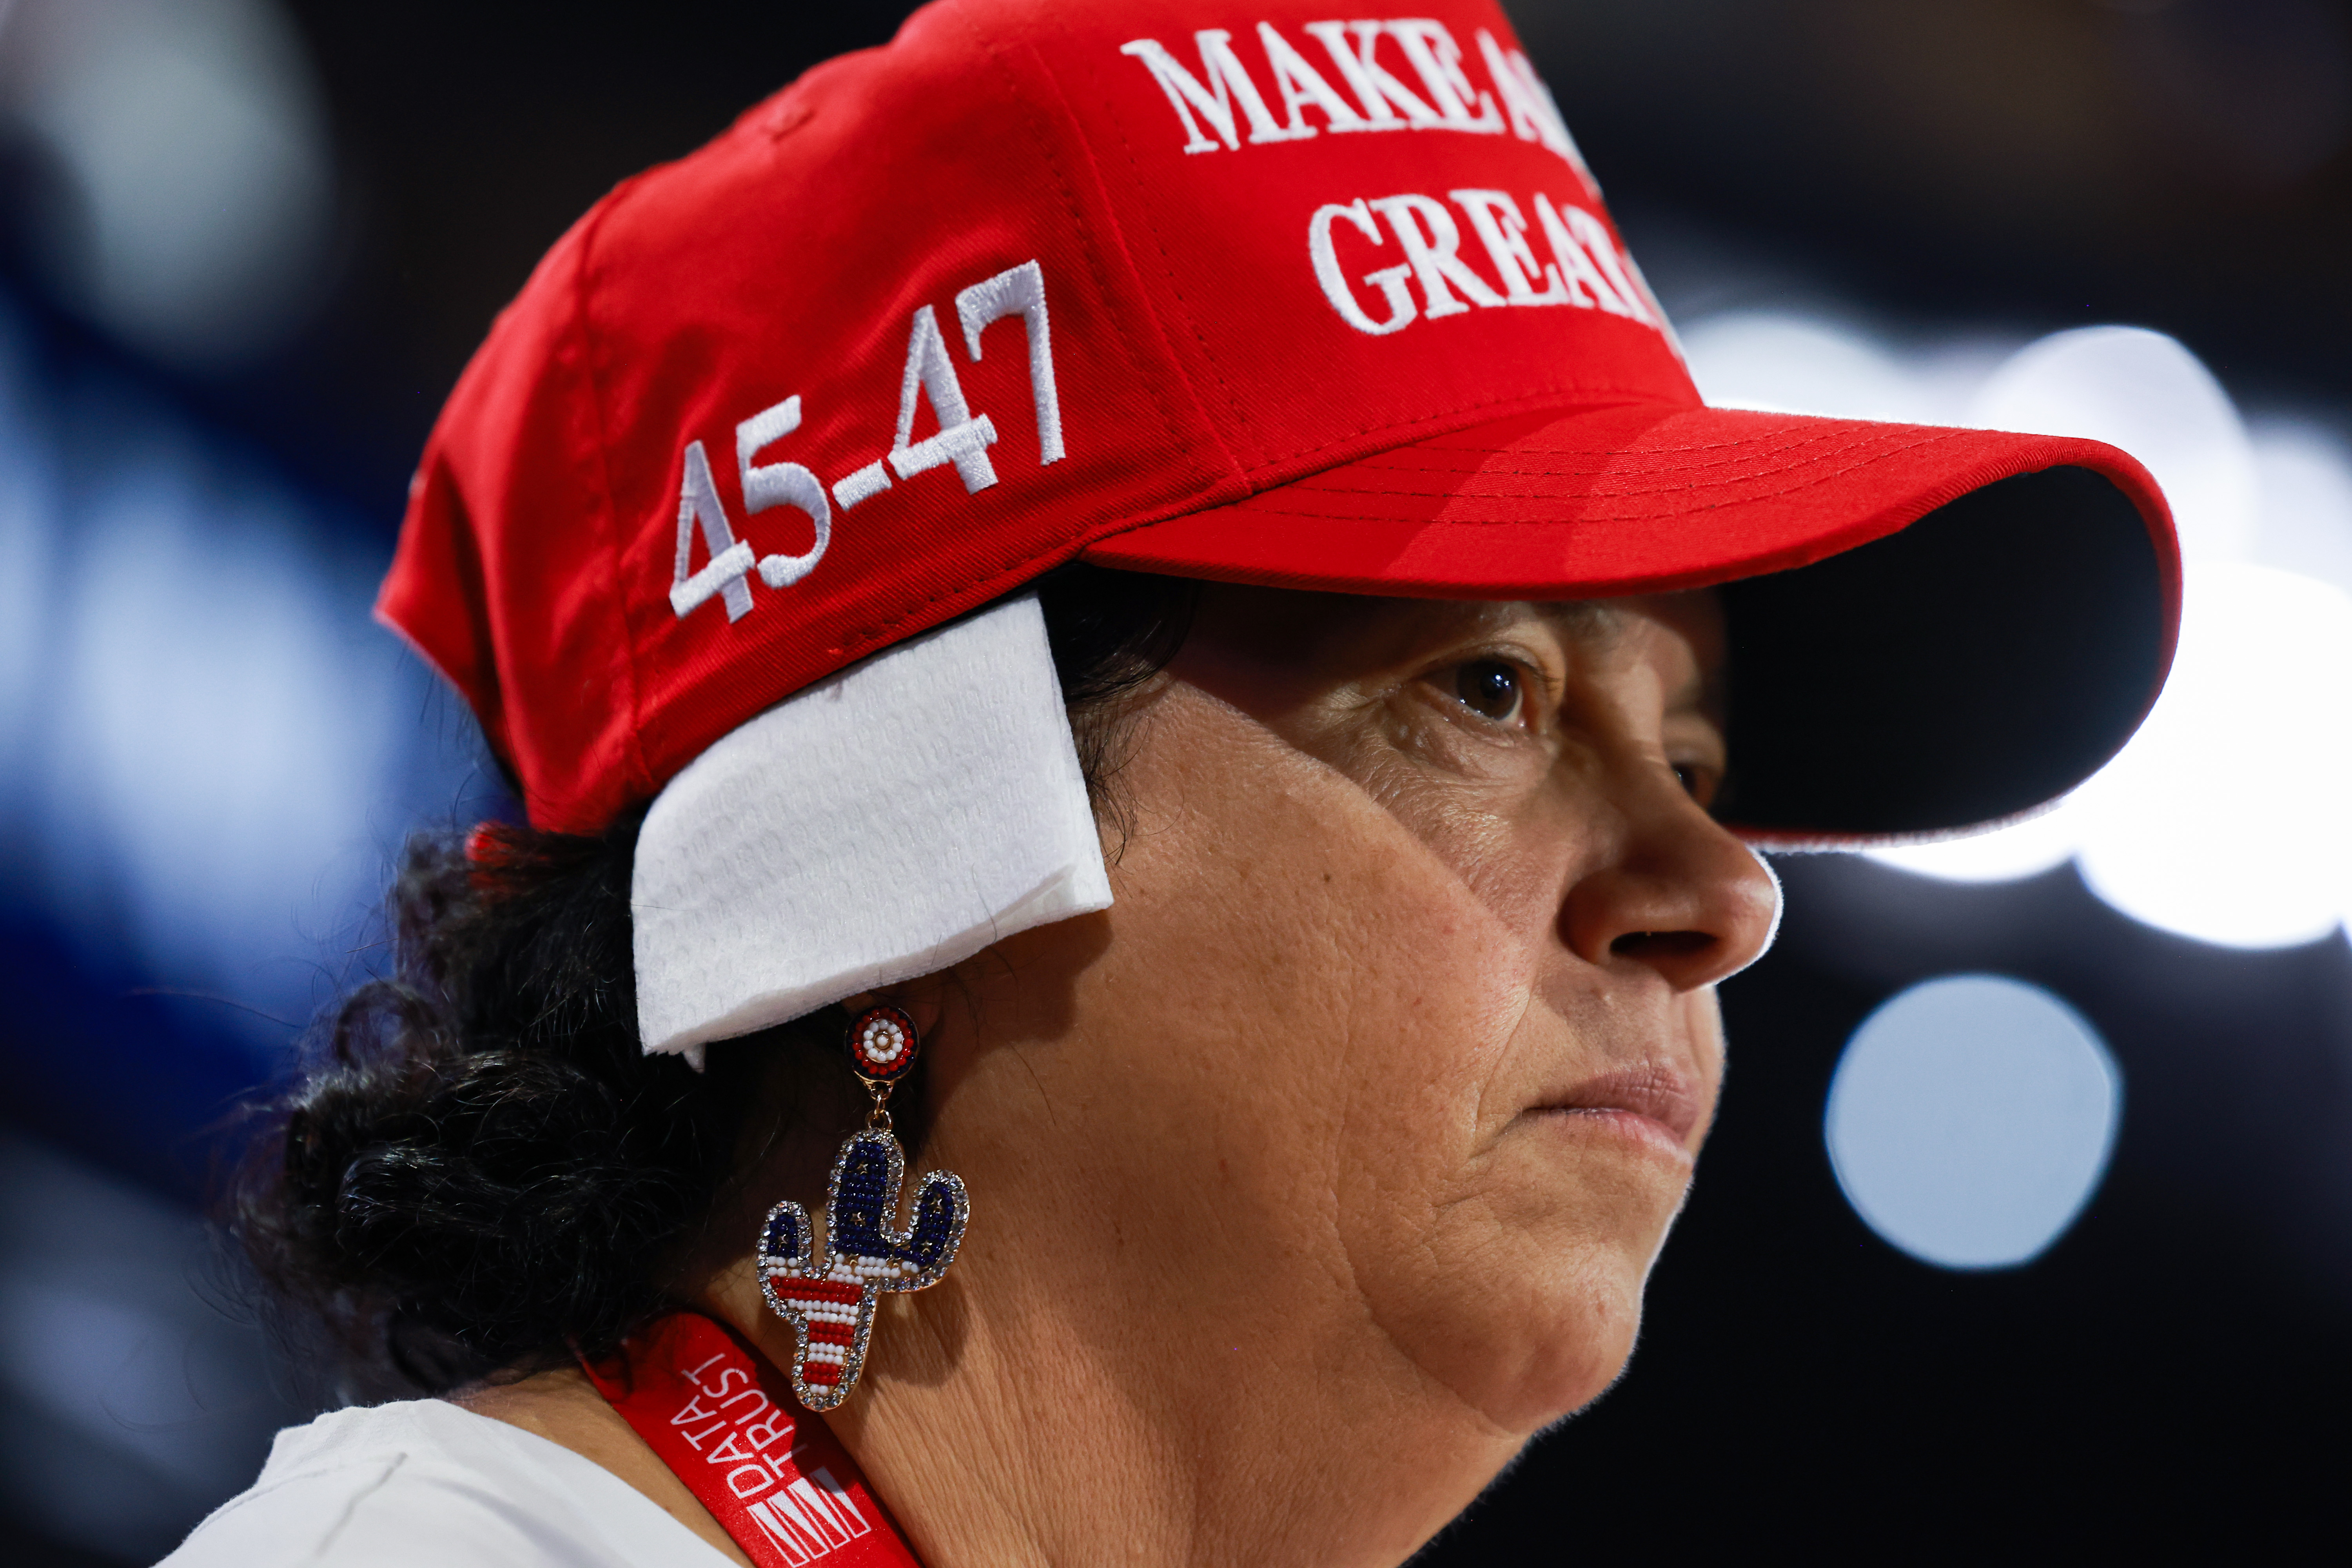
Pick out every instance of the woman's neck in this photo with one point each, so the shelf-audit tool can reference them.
(992, 1450)
(562, 1405)
(1005, 1437)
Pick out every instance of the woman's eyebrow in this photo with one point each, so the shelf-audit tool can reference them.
(1707, 692)
(1434, 623)
(1590, 626)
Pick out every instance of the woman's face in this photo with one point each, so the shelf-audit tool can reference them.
(1382, 1080)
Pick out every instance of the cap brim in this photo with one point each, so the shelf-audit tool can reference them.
(1907, 680)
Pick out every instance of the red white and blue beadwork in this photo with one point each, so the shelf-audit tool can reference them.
(828, 1291)
(882, 1044)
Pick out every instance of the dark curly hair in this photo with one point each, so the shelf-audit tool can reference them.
(475, 1171)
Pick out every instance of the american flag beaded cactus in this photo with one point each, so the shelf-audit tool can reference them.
(828, 1291)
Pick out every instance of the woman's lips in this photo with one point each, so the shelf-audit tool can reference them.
(1656, 1092)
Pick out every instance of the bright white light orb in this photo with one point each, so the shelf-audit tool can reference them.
(1794, 363)
(2024, 848)
(2304, 473)
(190, 142)
(1971, 1118)
(2144, 392)
(2224, 818)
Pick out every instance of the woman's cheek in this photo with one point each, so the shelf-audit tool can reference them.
(1490, 811)
(1702, 1016)
(1352, 1010)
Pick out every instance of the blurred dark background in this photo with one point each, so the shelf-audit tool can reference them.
(245, 248)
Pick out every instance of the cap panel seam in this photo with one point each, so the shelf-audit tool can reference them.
(1168, 268)
(1083, 231)
(1019, 567)
(583, 286)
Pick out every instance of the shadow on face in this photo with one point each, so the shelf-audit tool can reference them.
(1383, 1077)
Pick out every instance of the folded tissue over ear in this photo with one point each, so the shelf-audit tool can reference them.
(885, 823)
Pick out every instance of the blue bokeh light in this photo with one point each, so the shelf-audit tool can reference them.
(1971, 1118)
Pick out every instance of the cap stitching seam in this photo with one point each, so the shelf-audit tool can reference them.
(1432, 444)
(1329, 479)
(1018, 566)
(991, 582)
(1608, 517)
(1817, 437)
(1539, 395)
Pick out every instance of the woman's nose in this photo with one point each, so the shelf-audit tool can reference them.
(1677, 893)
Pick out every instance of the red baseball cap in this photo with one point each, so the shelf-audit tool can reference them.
(1257, 295)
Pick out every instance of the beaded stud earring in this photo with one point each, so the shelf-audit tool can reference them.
(828, 1291)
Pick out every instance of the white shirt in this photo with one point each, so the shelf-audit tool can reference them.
(424, 1484)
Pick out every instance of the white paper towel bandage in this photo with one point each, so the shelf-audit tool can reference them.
(885, 823)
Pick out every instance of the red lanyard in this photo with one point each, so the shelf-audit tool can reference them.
(772, 1475)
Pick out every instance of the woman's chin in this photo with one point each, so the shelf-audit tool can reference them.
(1522, 1356)
(1561, 1377)
(1592, 1338)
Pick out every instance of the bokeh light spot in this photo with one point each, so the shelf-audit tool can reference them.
(2223, 818)
(1970, 1120)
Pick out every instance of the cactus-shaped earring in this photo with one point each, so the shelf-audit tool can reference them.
(828, 1291)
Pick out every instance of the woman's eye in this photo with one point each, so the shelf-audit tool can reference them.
(1699, 783)
(1490, 688)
